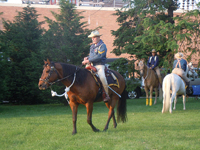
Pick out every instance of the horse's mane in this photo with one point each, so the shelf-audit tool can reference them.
(81, 73)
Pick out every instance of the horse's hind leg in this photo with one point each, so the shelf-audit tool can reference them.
(175, 101)
(114, 120)
(171, 101)
(164, 101)
(156, 95)
(111, 114)
(89, 116)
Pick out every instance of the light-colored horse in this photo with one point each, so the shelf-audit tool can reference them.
(172, 86)
(150, 82)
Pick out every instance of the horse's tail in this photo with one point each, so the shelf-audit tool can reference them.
(121, 108)
(166, 93)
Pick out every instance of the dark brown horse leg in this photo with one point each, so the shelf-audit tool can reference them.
(110, 114)
(89, 116)
(114, 120)
(113, 117)
(74, 108)
(108, 121)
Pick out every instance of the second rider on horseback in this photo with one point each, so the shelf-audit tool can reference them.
(153, 63)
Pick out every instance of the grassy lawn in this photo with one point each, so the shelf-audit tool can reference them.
(49, 127)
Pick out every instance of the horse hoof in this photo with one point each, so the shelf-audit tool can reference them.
(74, 132)
(96, 130)
(105, 130)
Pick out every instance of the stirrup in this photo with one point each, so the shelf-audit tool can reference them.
(106, 99)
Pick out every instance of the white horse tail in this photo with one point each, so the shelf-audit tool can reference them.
(166, 93)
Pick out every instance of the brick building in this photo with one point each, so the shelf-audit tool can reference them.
(94, 16)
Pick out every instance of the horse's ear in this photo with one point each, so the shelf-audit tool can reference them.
(48, 61)
(45, 62)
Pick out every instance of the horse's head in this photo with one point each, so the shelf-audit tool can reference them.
(141, 67)
(49, 75)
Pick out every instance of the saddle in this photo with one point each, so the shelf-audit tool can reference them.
(187, 87)
(183, 81)
(110, 76)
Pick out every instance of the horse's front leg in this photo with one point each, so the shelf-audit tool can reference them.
(151, 92)
(89, 116)
(147, 95)
(74, 108)
(156, 95)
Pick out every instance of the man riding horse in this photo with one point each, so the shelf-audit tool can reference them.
(97, 57)
(153, 63)
(179, 68)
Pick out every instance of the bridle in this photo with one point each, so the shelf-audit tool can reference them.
(147, 72)
(52, 69)
(49, 75)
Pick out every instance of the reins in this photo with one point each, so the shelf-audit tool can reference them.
(65, 77)
(147, 73)
(66, 90)
(53, 93)
(58, 80)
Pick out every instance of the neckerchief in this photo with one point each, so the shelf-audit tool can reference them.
(97, 45)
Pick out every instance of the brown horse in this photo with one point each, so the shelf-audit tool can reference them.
(150, 82)
(84, 90)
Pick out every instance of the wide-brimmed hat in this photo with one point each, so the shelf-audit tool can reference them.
(153, 51)
(178, 55)
(93, 34)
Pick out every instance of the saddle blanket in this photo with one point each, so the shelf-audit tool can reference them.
(110, 76)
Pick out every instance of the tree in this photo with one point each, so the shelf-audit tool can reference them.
(147, 26)
(66, 40)
(20, 47)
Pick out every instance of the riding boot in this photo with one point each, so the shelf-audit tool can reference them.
(188, 91)
(105, 96)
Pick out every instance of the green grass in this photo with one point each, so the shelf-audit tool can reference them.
(49, 127)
